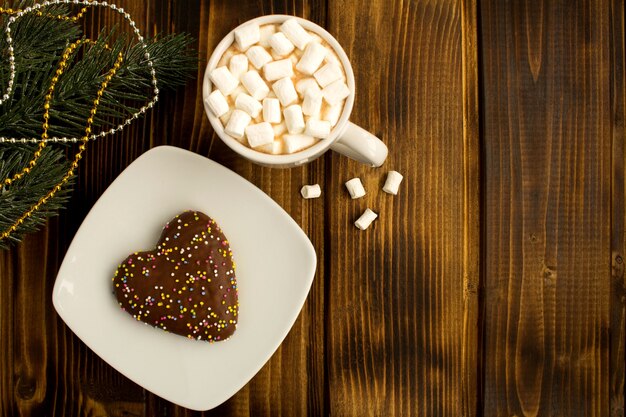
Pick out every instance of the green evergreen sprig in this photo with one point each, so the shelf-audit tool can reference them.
(38, 43)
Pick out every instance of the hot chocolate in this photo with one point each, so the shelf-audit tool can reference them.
(278, 89)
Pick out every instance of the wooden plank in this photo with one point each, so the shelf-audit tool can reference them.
(547, 147)
(300, 358)
(402, 300)
(617, 360)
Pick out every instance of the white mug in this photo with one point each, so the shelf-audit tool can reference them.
(345, 138)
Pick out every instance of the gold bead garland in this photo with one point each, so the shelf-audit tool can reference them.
(62, 65)
(35, 9)
(40, 13)
(46, 113)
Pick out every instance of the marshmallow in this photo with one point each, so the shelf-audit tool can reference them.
(317, 128)
(311, 191)
(217, 103)
(333, 59)
(280, 44)
(294, 119)
(248, 104)
(226, 116)
(303, 84)
(313, 57)
(260, 134)
(247, 36)
(335, 92)
(255, 85)
(266, 32)
(285, 91)
(295, 33)
(366, 219)
(394, 178)
(278, 69)
(294, 59)
(355, 188)
(271, 110)
(237, 91)
(327, 74)
(295, 143)
(237, 123)
(258, 56)
(224, 80)
(274, 148)
(238, 65)
(226, 57)
(312, 103)
(332, 113)
(279, 129)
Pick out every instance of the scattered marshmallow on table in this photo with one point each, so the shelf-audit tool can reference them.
(248, 104)
(355, 188)
(258, 56)
(366, 219)
(394, 178)
(295, 33)
(295, 143)
(237, 123)
(312, 103)
(294, 119)
(317, 128)
(313, 57)
(224, 80)
(271, 110)
(276, 70)
(255, 85)
(285, 91)
(328, 74)
(247, 36)
(336, 91)
(260, 134)
(280, 44)
(217, 103)
(238, 65)
(311, 191)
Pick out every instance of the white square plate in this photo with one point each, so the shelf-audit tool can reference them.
(275, 267)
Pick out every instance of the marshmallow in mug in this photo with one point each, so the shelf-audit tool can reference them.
(278, 78)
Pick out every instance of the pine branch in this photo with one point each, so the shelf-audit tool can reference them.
(25, 192)
(38, 43)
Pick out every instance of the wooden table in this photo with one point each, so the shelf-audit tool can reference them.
(493, 284)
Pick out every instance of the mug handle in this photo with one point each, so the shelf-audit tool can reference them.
(359, 144)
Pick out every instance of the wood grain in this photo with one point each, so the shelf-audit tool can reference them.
(547, 148)
(491, 285)
(401, 326)
(617, 359)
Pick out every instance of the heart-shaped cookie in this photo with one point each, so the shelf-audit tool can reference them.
(187, 285)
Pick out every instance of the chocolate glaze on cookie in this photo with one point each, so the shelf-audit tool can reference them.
(187, 285)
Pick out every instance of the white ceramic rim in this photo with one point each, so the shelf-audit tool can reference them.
(283, 159)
